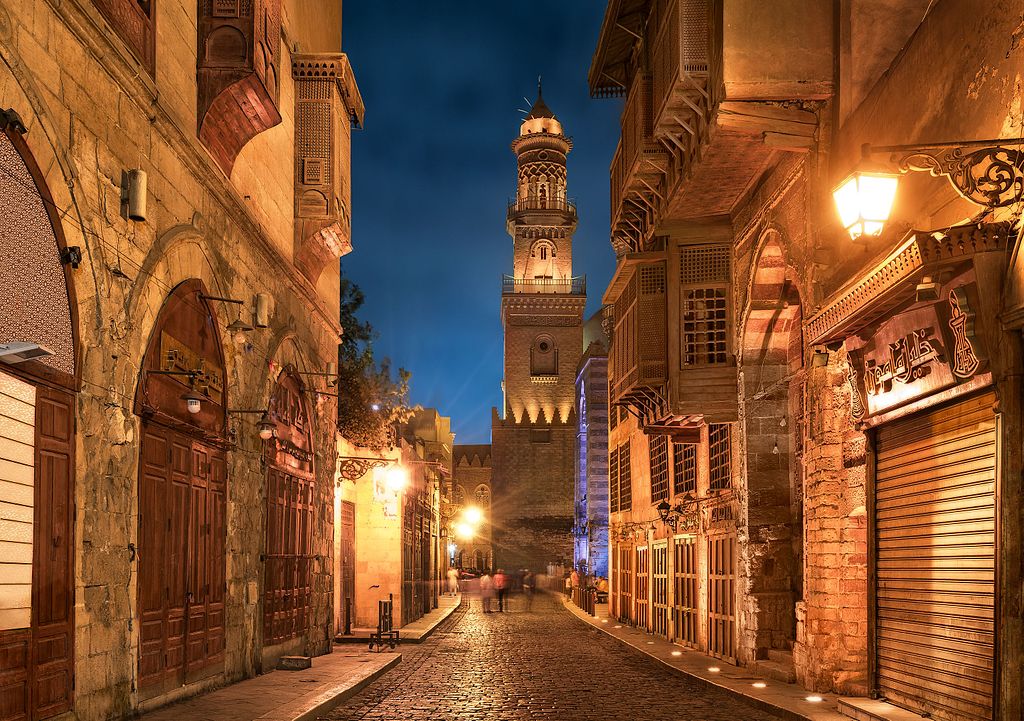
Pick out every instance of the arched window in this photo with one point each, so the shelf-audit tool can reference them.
(458, 496)
(543, 356)
(483, 496)
(543, 252)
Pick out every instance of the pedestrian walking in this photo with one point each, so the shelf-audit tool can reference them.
(486, 591)
(453, 581)
(501, 587)
(528, 585)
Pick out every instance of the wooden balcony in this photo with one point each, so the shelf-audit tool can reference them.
(708, 391)
(638, 169)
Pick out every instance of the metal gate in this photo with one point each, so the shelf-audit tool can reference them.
(643, 570)
(659, 588)
(348, 565)
(722, 596)
(684, 574)
(934, 514)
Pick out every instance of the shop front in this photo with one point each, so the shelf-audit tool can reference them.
(917, 334)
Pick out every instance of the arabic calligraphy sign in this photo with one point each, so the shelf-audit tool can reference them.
(924, 350)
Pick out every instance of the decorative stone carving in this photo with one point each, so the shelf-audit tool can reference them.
(327, 103)
(239, 64)
(132, 20)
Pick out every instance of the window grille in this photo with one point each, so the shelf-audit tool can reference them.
(719, 456)
(705, 320)
(684, 470)
(613, 418)
(625, 482)
(702, 264)
(704, 297)
(659, 468)
(613, 480)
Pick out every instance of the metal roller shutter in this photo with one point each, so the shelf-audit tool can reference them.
(935, 562)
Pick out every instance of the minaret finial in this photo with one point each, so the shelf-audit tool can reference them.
(539, 93)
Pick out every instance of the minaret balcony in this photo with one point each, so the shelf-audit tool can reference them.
(563, 210)
(511, 285)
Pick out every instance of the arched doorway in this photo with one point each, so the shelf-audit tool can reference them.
(290, 514)
(772, 358)
(182, 496)
(37, 445)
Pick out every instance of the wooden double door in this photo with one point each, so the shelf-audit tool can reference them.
(288, 586)
(181, 560)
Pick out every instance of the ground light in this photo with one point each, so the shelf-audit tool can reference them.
(714, 669)
(759, 684)
(677, 653)
(814, 699)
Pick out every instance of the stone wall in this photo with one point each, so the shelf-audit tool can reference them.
(533, 470)
(93, 113)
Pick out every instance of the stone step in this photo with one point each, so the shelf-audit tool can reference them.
(774, 670)
(780, 656)
(294, 663)
(867, 709)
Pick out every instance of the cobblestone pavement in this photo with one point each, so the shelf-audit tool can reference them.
(538, 664)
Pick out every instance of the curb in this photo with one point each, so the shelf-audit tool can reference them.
(325, 705)
(759, 703)
(423, 635)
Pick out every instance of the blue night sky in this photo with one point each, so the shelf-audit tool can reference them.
(432, 172)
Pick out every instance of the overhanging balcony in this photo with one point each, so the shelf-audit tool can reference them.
(511, 285)
(638, 171)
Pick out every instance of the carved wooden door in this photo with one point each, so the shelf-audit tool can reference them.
(181, 559)
(348, 560)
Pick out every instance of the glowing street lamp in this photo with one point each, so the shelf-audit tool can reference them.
(864, 201)
(396, 478)
(472, 515)
(464, 531)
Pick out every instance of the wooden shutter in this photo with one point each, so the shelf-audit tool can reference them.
(935, 560)
(652, 328)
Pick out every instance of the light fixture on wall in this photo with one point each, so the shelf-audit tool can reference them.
(238, 328)
(192, 397)
(193, 401)
(265, 426)
(133, 194)
(20, 351)
(331, 374)
(987, 172)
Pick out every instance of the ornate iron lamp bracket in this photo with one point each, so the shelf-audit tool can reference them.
(986, 172)
(352, 468)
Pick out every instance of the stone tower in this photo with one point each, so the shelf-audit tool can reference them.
(542, 307)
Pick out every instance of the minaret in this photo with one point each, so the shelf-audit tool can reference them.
(533, 439)
(542, 302)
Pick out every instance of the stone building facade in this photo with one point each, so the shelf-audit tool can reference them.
(590, 531)
(807, 444)
(471, 486)
(533, 437)
(163, 192)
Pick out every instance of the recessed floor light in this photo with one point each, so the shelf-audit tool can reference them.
(759, 684)
(604, 620)
(618, 627)
(714, 669)
(650, 643)
(814, 699)
(677, 653)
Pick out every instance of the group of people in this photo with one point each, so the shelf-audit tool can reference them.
(499, 585)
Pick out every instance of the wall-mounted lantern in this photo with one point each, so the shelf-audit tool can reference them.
(265, 426)
(987, 172)
(238, 328)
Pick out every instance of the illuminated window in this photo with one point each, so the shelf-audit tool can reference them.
(659, 468)
(719, 456)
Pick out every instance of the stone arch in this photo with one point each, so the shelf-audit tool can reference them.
(19, 90)
(771, 358)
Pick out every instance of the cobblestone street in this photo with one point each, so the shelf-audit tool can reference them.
(540, 664)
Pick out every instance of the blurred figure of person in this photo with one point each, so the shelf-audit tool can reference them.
(529, 580)
(574, 579)
(486, 590)
(567, 584)
(453, 581)
(501, 587)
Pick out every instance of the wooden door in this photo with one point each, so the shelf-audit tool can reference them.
(722, 596)
(934, 518)
(287, 587)
(348, 561)
(659, 588)
(641, 596)
(181, 559)
(685, 580)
